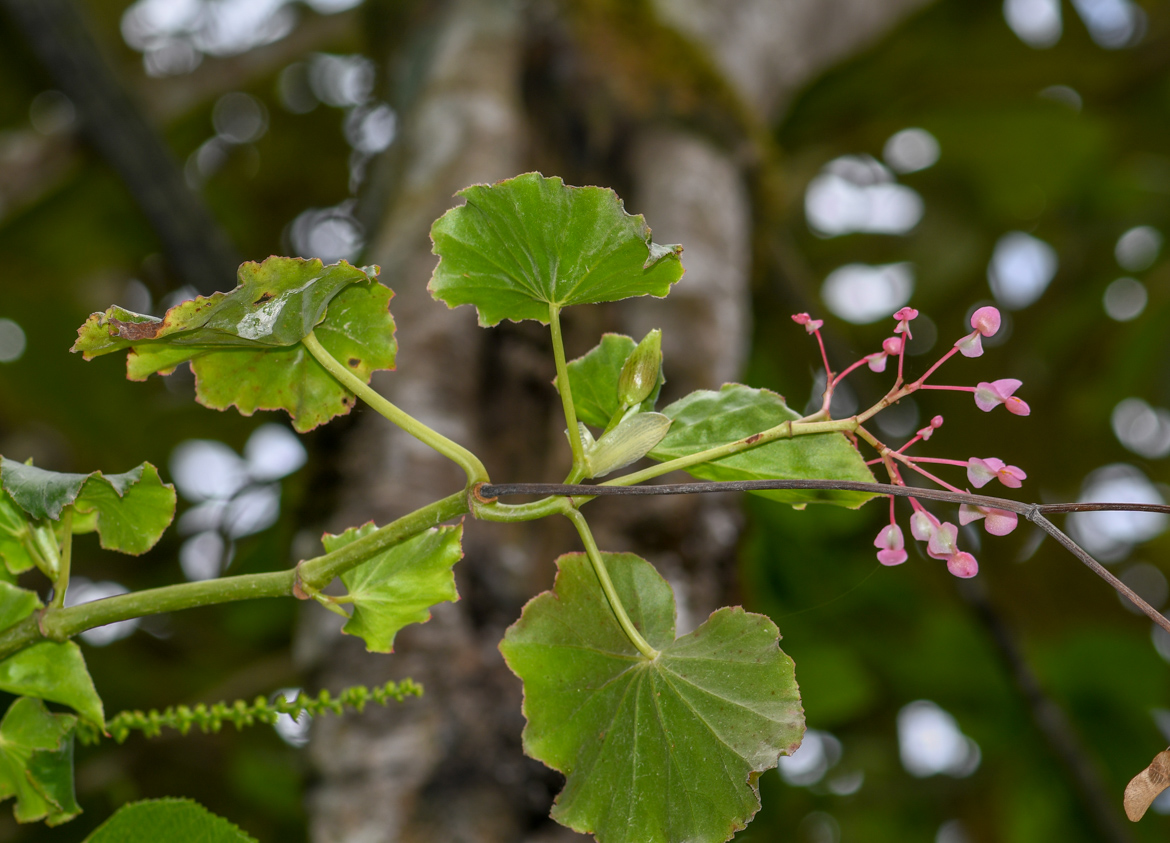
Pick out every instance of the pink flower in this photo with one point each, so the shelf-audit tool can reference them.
(892, 345)
(876, 361)
(970, 345)
(929, 430)
(811, 325)
(999, 522)
(981, 472)
(985, 321)
(943, 543)
(963, 565)
(923, 525)
(988, 396)
(904, 316)
(891, 545)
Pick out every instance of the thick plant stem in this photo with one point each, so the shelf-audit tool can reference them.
(785, 430)
(566, 391)
(611, 594)
(60, 624)
(469, 462)
(62, 581)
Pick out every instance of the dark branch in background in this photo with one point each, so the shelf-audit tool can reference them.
(196, 246)
(1034, 512)
(1047, 715)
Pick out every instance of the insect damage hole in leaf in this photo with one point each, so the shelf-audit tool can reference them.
(659, 751)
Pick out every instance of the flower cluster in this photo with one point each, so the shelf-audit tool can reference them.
(940, 536)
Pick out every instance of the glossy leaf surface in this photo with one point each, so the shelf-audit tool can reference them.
(523, 244)
(244, 346)
(707, 419)
(130, 511)
(49, 670)
(653, 751)
(172, 820)
(399, 586)
(36, 762)
(594, 377)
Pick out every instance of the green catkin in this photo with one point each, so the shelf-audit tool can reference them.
(240, 714)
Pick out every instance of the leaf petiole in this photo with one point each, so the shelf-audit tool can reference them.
(611, 595)
(566, 391)
(61, 583)
(469, 462)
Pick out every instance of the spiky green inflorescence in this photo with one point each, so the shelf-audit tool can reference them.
(240, 714)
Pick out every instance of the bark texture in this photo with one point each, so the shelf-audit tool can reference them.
(449, 767)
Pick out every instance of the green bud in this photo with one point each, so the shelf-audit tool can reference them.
(629, 441)
(640, 372)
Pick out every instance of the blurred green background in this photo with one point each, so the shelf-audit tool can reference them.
(1040, 159)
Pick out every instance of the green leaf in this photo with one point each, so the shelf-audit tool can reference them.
(706, 419)
(130, 511)
(244, 346)
(398, 586)
(523, 244)
(594, 376)
(36, 762)
(48, 670)
(172, 820)
(660, 751)
(19, 537)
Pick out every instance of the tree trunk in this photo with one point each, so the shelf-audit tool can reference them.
(449, 766)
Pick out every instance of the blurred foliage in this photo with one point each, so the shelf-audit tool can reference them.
(866, 640)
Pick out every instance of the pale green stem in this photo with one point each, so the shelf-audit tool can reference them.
(615, 602)
(60, 624)
(787, 430)
(62, 581)
(469, 462)
(566, 391)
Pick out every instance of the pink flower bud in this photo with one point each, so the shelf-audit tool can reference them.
(999, 522)
(981, 472)
(944, 543)
(811, 325)
(923, 525)
(985, 320)
(970, 345)
(904, 316)
(963, 565)
(892, 345)
(890, 543)
(988, 396)
(929, 430)
(876, 361)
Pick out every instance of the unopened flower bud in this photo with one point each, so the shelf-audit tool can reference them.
(629, 441)
(641, 370)
(892, 345)
(963, 565)
(811, 325)
(986, 320)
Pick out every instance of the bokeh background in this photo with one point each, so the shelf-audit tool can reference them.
(945, 154)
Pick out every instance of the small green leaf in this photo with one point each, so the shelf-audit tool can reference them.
(171, 820)
(594, 378)
(19, 540)
(244, 346)
(523, 244)
(398, 586)
(36, 762)
(706, 419)
(660, 751)
(130, 511)
(642, 371)
(47, 670)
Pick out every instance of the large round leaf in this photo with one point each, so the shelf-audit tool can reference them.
(523, 244)
(654, 751)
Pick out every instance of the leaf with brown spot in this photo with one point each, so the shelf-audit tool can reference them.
(244, 346)
(1144, 788)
